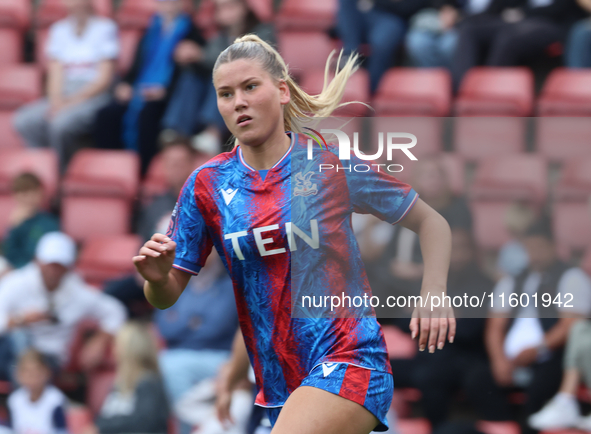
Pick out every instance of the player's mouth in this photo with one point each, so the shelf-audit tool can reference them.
(243, 120)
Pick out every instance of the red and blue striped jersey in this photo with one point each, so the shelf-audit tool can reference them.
(289, 233)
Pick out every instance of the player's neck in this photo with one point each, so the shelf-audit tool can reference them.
(265, 155)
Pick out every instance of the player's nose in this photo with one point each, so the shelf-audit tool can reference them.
(240, 100)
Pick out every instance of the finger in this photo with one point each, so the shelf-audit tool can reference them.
(149, 252)
(433, 334)
(160, 238)
(137, 259)
(452, 330)
(414, 327)
(424, 332)
(443, 324)
(159, 247)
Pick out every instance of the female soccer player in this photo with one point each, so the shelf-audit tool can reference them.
(315, 375)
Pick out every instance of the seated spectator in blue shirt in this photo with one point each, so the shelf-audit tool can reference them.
(578, 46)
(198, 330)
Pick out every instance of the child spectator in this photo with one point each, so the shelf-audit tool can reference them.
(37, 406)
(28, 223)
(137, 402)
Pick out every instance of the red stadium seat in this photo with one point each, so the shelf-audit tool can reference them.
(102, 173)
(78, 419)
(11, 41)
(357, 89)
(99, 386)
(41, 162)
(87, 217)
(489, 224)
(107, 258)
(50, 11)
(19, 84)
(128, 42)
(414, 92)
(400, 345)
(488, 427)
(575, 181)
(306, 15)
(566, 92)
(510, 178)
(9, 138)
(476, 138)
(155, 182)
(15, 14)
(586, 266)
(563, 138)
(488, 91)
(572, 226)
(295, 49)
(428, 130)
(413, 426)
(263, 9)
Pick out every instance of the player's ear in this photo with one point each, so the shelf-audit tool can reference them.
(284, 92)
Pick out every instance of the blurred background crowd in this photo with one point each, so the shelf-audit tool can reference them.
(107, 106)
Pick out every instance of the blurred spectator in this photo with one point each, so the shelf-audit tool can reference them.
(525, 343)
(198, 331)
(132, 121)
(193, 107)
(81, 50)
(43, 302)
(37, 406)
(137, 402)
(563, 409)
(511, 32)
(179, 161)
(27, 222)
(578, 47)
(380, 23)
(512, 259)
(440, 375)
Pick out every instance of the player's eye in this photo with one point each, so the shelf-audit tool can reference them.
(250, 86)
(225, 94)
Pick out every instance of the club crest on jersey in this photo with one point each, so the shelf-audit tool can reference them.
(304, 186)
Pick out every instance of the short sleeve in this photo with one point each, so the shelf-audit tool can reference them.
(53, 49)
(575, 291)
(108, 40)
(188, 229)
(375, 191)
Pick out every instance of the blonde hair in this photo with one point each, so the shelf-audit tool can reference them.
(137, 355)
(301, 104)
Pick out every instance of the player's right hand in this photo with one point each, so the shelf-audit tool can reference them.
(155, 259)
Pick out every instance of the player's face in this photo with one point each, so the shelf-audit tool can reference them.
(250, 100)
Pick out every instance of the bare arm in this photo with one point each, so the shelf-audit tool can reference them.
(432, 326)
(98, 86)
(54, 81)
(585, 4)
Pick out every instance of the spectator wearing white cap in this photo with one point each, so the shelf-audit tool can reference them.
(46, 300)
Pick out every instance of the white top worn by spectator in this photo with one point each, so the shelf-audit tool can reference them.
(44, 416)
(526, 331)
(81, 54)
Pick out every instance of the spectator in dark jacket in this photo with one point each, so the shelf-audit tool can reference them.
(133, 120)
(380, 23)
(578, 47)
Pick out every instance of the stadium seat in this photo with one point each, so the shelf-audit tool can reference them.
(41, 162)
(87, 217)
(102, 173)
(128, 41)
(204, 18)
(575, 181)
(136, 14)
(19, 84)
(50, 11)
(400, 345)
(263, 9)
(510, 178)
(155, 181)
(488, 91)
(357, 89)
(107, 258)
(476, 138)
(414, 92)
(15, 14)
(41, 36)
(99, 386)
(566, 92)
(306, 15)
(295, 49)
(413, 426)
(9, 138)
(572, 227)
(488, 427)
(11, 41)
(428, 131)
(586, 266)
(454, 167)
(563, 138)
(78, 419)
(489, 224)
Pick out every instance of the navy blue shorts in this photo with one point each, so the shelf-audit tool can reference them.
(370, 388)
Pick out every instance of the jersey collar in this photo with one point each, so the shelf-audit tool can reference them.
(279, 163)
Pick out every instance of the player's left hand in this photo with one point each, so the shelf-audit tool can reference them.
(432, 326)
